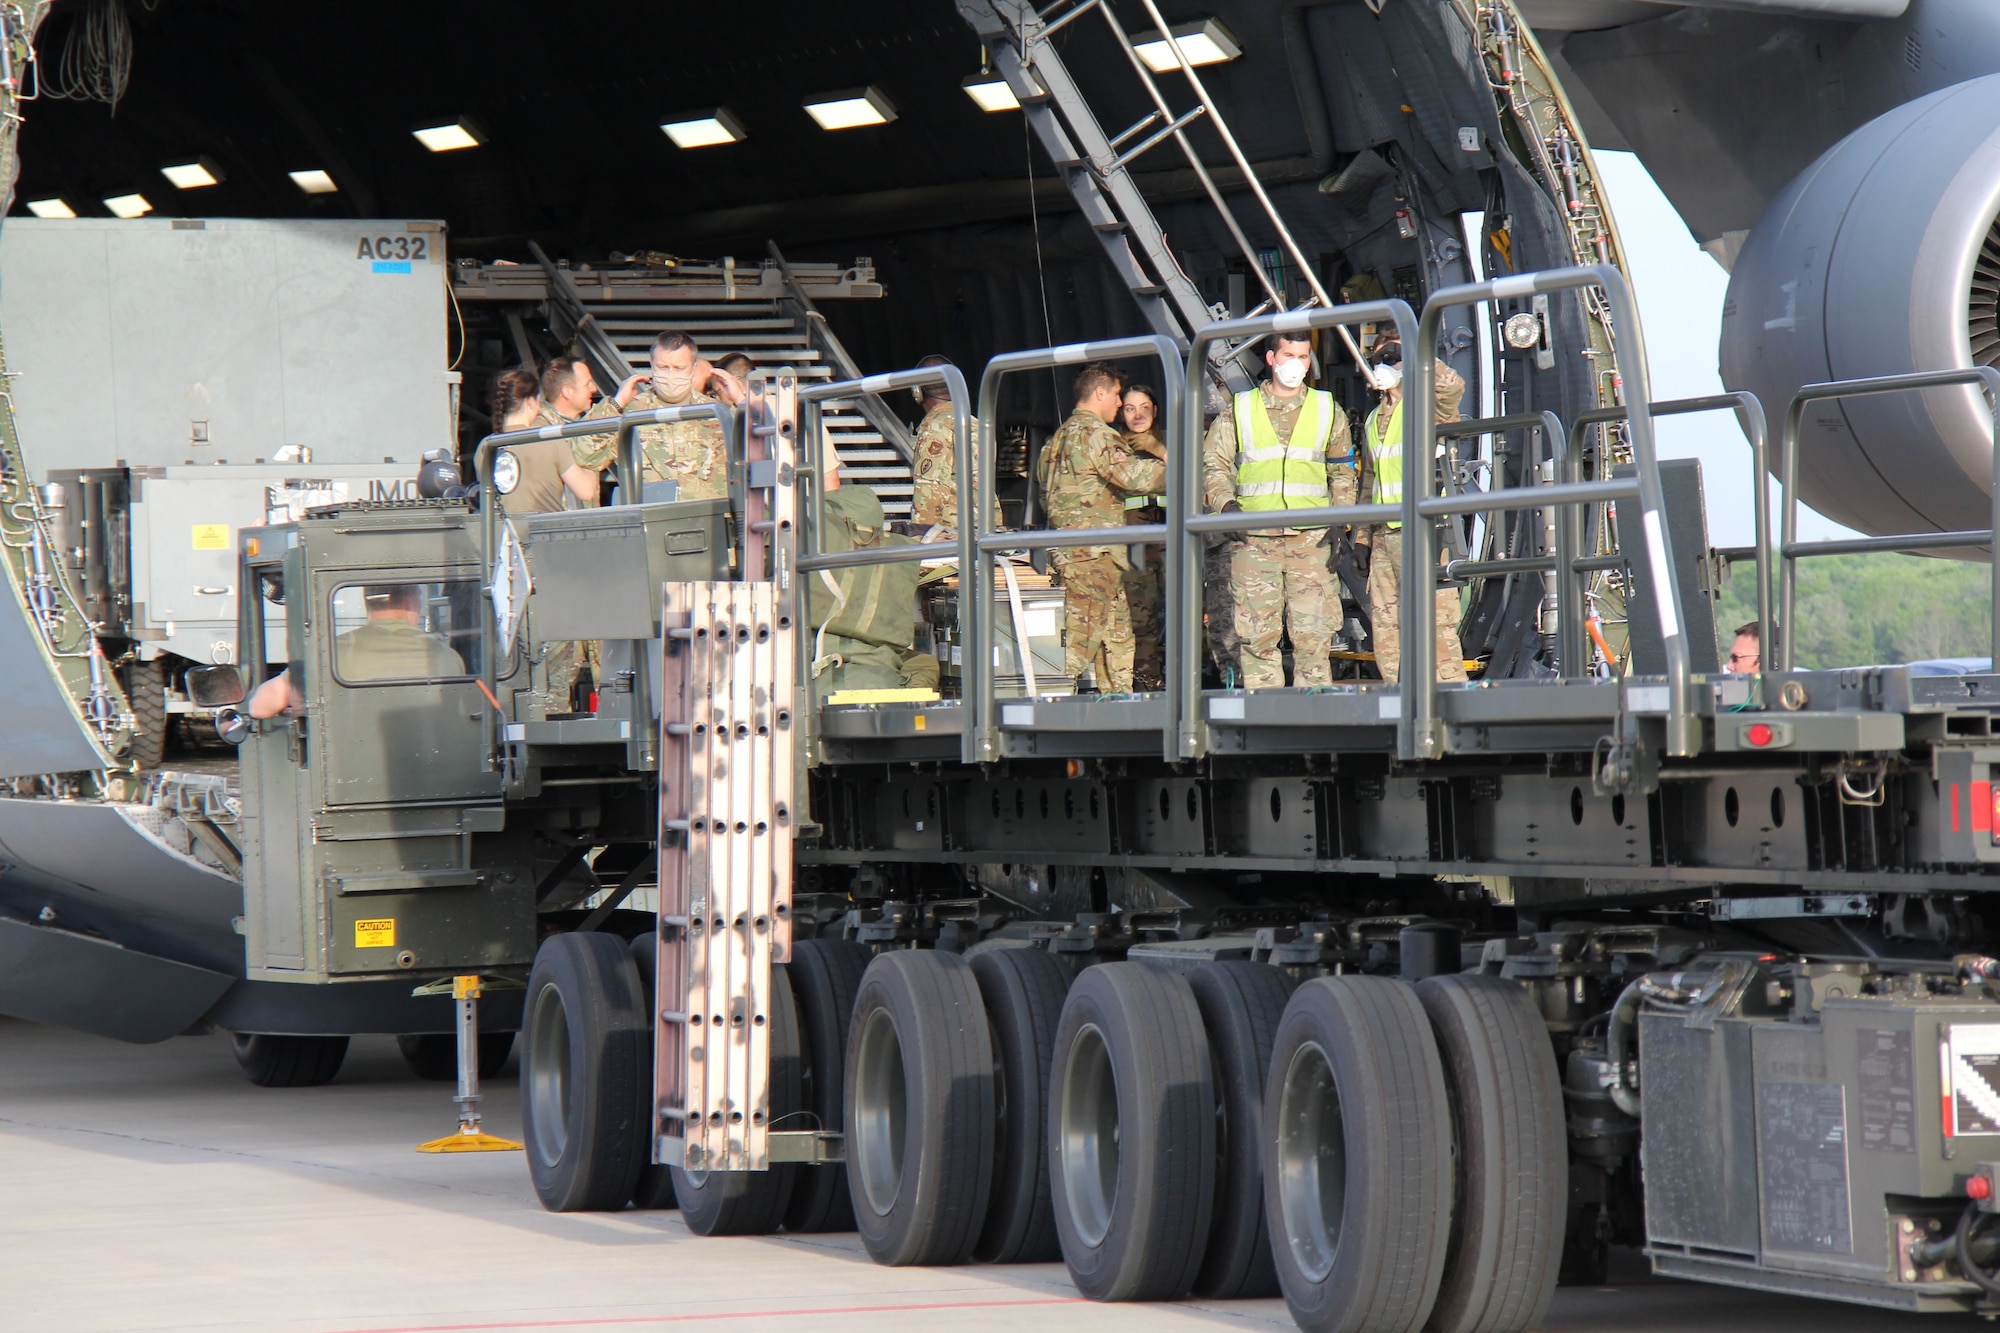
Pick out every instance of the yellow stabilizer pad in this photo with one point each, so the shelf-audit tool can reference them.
(463, 1142)
(882, 697)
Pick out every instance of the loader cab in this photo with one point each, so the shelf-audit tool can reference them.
(359, 811)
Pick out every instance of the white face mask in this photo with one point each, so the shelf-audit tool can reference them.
(1291, 374)
(1388, 377)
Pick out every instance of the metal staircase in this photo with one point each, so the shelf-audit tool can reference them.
(764, 309)
(1097, 166)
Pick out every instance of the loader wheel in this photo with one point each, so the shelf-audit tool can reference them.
(152, 725)
(583, 1095)
(826, 976)
(655, 1187)
(752, 1203)
(1023, 990)
(1357, 1176)
(274, 1060)
(1512, 1163)
(1132, 1134)
(1241, 1004)
(919, 1109)
(433, 1056)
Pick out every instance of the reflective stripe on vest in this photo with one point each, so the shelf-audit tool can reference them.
(1386, 456)
(1270, 475)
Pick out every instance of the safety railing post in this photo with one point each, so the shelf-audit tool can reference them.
(1187, 730)
(1790, 548)
(982, 744)
(1425, 738)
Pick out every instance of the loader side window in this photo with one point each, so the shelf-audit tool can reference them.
(405, 631)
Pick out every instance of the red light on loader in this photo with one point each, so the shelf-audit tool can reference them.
(1759, 734)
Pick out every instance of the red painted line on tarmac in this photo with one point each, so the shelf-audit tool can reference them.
(629, 1320)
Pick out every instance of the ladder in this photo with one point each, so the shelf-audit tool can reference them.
(1097, 167)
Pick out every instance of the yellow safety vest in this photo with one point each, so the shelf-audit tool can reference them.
(1386, 456)
(1270, 475)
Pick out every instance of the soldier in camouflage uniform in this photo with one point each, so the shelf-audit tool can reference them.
(1086, 472)
(691, 453)
(1282, 446)
(1144, 589)
(1382, 544)
(934, 460)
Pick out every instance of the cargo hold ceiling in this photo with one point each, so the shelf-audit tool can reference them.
(569, 102)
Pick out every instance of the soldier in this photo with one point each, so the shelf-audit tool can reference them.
(392, 643)
(531, 478)
(1282, 446)
(1144, 590)
(569, 393)
(934, 499)
(690, 453)
(1086, 472)
(1380, 545)
(733, 389)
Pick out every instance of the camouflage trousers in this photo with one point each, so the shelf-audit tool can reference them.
(1218, 606)
(1385, 611)
(559, 663)
(1279, 581)
(1097, 621)
(1146, 595)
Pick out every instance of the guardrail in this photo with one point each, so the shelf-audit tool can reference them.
(1420, 735)
(1789, 549)
(982, 736)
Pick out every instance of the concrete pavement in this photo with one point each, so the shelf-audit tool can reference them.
(154, 1188)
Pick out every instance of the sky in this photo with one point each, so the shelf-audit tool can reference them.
(1680, 291)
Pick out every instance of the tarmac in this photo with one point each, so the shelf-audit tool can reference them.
(154, 1188)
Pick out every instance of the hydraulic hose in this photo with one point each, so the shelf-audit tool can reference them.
(1618, 1042)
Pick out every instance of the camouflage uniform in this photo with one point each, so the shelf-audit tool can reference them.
(560, 661)
(934, 500)
(1085, 472)
(1145, 590)
(1385, 565)
(1284, 576)
(688, 452)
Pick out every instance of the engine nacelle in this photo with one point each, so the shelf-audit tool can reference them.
(1883, 257)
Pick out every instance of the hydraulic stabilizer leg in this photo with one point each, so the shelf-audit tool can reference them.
(466, 991)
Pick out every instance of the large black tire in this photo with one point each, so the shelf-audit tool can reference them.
(1512, 1163)
(752, 1203)
(273, 1060)
(1132, 1134)
(919, 1109)
(152, 724)
(1241, 1004)
(826, 976)
(433, 1056)
(583, 1095)
(1357, 1167)
(655, 1186)
(1023, 990)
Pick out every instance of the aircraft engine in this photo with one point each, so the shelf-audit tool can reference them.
(1882, 257)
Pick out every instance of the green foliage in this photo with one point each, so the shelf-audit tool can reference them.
(1860, 610)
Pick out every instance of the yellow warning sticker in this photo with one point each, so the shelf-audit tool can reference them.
(378, 934)
(211, 536)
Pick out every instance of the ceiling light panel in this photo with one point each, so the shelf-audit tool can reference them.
(193, 175)
(850, 110)
(314, 182)
(704, 129)
(451, 138)
(50, 208)
(1203, 42)
(128, 205)
(991, 93)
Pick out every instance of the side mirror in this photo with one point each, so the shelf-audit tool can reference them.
(232, 726)
(215, 686)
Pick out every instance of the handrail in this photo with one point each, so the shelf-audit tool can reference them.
(631, 485)
(1750, 415)
(1562, 562)
(1421, 736)
(982, 736)
(1187, 730)
(1789, 550)
(821, 333)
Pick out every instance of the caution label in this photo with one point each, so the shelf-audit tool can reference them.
(211, 536)
(1971, 1070)
(377, 934)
